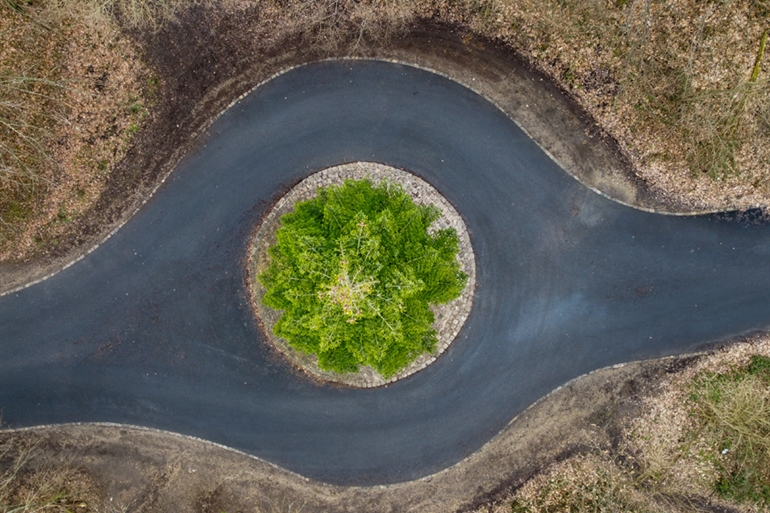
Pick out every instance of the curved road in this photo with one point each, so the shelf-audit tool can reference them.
(153, 328)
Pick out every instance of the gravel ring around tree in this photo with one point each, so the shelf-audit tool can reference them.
(449, 317)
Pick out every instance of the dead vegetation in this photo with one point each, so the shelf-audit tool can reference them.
(71, 97)
(29, 485)
(700, 444)
(681, 85)
(330, 24)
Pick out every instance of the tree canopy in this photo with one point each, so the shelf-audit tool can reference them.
(354, 271)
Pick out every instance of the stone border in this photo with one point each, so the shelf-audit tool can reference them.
(450, 317)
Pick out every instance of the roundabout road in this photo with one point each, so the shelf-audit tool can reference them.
(154, 328)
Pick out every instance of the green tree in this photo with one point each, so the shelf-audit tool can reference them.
(354, 271)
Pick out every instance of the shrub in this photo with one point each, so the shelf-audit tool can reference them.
(354, 271)
(584, 484)
(30, 483)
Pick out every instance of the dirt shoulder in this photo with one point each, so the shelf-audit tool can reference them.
(148, 471)
(202, 71)
(535, 102)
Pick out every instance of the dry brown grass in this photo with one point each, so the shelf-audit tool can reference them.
(672, 82)
(703, 440)
(71, 96)
(73, 92)
(28, 485)
(732, 410)
(681, 85)
(328, 24)
(583, 484)
(30, 105)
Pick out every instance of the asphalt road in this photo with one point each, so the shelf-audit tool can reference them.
(153, 328)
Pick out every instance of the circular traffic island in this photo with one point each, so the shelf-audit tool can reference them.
(362, 274)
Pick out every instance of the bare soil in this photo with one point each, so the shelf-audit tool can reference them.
(208, 56)
(652, 457)
(143, 470)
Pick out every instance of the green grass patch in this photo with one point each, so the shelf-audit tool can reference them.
(354, 271)
(733, 409)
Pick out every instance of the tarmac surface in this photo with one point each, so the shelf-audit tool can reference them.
(154, 327)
